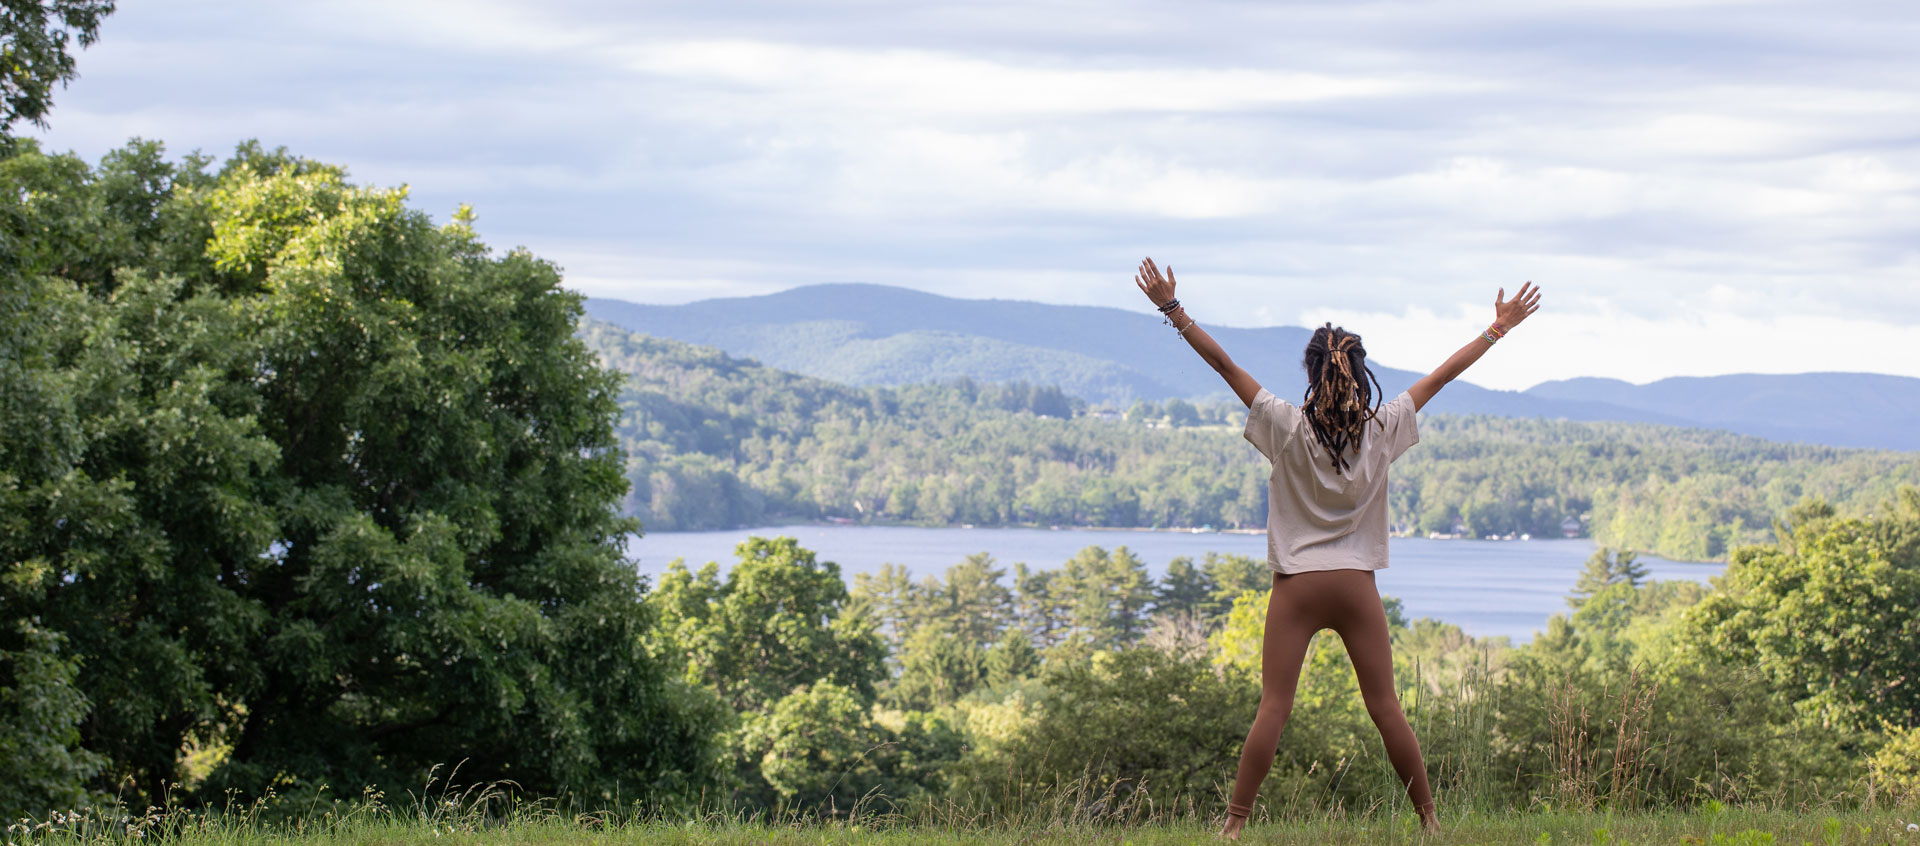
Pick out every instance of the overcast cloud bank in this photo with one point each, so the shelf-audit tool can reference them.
(1701, 187)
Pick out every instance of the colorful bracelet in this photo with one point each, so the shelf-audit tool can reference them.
(1489, 336)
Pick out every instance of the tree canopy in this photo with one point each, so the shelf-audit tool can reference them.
(36, 42)
(292, 474)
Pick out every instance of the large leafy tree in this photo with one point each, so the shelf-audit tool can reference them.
(775, 624)
(1831, 615)
(319, 484)
(797, 660)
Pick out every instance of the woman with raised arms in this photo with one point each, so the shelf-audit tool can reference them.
(1327, 522)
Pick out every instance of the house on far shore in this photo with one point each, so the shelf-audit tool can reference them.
(1570, 527)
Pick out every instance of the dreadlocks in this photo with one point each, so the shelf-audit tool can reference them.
(1337, 403)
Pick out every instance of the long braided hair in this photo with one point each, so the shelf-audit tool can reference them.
(1338, 403)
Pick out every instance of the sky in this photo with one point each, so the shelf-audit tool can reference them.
(1698, 187)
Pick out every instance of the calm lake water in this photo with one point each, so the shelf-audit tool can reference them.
(1486, 587)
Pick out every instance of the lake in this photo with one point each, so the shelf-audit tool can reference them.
(1487, 588)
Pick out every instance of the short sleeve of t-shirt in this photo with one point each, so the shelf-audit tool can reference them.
(1270, 421)
(1402, 427)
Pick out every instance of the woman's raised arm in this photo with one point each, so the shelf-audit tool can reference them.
(1160, 291)
(1506, 315)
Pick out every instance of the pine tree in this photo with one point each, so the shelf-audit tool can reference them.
(1011, 659)
(1185, 588)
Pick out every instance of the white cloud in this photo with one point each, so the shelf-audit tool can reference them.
(1753, 169)
(913, 83)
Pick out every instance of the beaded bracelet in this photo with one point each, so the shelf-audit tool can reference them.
(1169, 306)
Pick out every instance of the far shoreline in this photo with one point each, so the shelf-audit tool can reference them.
(1201, 530)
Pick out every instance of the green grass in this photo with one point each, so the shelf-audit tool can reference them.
(358, 824)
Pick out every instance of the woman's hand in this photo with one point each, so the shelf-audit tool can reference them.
(1507, 313)
(1157, 289)
(1160, 291)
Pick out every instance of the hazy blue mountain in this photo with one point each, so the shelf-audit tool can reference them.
(1841, 409)
(882, 335)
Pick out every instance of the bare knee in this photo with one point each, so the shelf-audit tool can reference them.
(1385, 711)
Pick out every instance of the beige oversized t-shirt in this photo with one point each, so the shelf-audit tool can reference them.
(1317, 517)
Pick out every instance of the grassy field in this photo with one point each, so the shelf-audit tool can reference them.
(1730, 827)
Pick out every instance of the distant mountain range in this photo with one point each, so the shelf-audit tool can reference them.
(882, 335)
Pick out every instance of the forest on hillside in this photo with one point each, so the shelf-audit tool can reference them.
(714, 441)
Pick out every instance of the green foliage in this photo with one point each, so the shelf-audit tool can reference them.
(775, 625)
(1091, 725)
(1606, 568)
(973, 599)
(1185, 589)
(1012, 659)
(715, 441)
(1232, 576)
(1774, 684)
(35, 53)
(1895, 766)
(40, 714)
(796, 658)
(1834, 618)
(1111, 594)
(937, 667)
(304, 480)
(821, 748)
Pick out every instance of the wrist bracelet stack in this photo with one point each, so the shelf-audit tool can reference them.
(1167, 310)
(1494, 333)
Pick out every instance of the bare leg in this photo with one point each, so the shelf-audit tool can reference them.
(1282, 648)
(1362, 625)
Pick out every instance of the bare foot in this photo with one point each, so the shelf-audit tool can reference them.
(1430, 823)
(1231, 830)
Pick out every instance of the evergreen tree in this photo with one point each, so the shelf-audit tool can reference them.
(1111, 594)
(975, 600)
(1012, 659)
(936, 669)
(1233, 575)
(1045, 604)
(1604, 568)
(891, 599)
(1185, 589)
